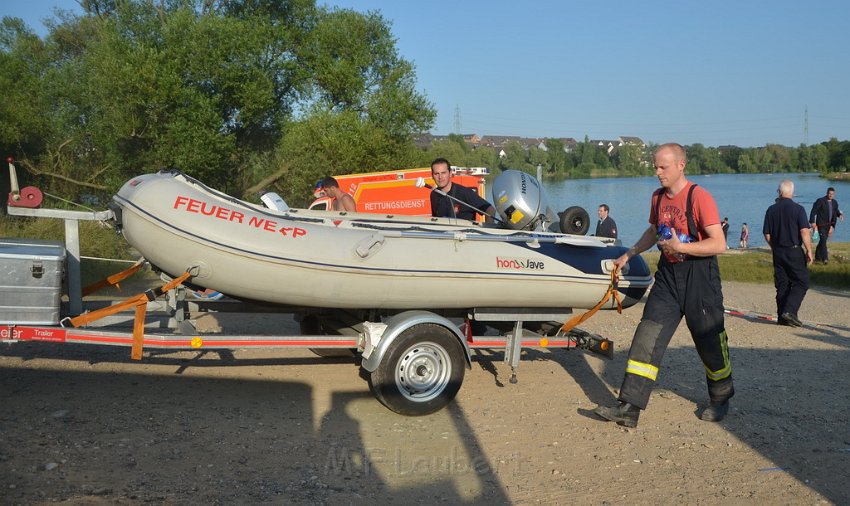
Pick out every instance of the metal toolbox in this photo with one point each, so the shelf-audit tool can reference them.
(30, 281)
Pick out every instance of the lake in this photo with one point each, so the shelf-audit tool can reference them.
(743, 198)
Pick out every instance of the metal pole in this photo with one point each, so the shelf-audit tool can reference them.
(72, 246)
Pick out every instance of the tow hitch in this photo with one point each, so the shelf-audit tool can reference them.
(593, 343)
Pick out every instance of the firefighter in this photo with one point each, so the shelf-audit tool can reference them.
(687, 284)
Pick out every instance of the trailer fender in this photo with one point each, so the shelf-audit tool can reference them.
(379, 336)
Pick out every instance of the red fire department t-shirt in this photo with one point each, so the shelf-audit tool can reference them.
(672, 210)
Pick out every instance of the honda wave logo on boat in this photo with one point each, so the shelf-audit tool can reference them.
(519, 264)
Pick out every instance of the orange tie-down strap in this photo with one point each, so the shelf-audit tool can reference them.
(140, 303)
(114, 279)
(612, 292)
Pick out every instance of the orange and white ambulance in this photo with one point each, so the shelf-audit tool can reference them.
(395, 191)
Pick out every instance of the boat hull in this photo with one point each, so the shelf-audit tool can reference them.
(336, 260)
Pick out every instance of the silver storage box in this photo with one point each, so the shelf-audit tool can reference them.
(31, 281)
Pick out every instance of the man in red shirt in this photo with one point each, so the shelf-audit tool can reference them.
(687, 284)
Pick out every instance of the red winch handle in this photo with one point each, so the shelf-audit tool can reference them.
(29, 196)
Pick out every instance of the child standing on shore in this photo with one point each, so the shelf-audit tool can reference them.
(745, 236)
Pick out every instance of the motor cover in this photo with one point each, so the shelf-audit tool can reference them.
(521, 201)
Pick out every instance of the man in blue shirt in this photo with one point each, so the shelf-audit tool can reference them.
(442, 206)
(787, 233)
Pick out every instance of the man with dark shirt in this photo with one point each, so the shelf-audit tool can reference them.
(787, 233)
(824, 217)
(606, 226)
(444, 207)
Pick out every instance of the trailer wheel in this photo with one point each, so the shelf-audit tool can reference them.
(421, 372)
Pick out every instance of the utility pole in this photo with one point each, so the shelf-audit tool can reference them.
(457, 120)
(806, 127)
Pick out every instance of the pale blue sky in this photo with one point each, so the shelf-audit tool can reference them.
(719, 72)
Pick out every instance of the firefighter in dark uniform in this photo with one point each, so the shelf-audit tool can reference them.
(786, 231)
(443, 206)
(606, 227)
(687, 284)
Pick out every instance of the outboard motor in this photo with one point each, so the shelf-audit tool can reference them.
(521, 202)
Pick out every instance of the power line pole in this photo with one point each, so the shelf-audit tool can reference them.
(806, 127)
(457, 120)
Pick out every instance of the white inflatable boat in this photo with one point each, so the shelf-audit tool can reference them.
(330, 259)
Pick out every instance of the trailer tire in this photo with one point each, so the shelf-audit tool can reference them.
(421, 372)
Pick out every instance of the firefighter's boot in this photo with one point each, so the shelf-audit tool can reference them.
(715, 411)
(623, 414)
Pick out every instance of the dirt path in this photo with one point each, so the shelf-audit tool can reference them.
(84, 425)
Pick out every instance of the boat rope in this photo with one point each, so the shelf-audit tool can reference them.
(114, 279)
(101, 259)
(140, 303)
(611, 292)
(752, 315)
(69, 202)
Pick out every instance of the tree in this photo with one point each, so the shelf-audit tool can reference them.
(838, 154)
(516, 158)
(557, 157)
(452, 149)
(745, 164)
(212, 88)
(627, 160)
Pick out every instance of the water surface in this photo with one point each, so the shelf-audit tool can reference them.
(743, 198)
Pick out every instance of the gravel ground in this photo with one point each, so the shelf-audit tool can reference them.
(86, 425)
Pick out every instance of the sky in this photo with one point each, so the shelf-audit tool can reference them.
(743, 72)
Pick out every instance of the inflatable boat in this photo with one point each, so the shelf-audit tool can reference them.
(330, 259)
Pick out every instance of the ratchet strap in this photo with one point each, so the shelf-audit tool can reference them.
(612, 292)
(139, 302)
(114, 279)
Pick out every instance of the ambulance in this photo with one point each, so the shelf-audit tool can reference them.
(395, 191)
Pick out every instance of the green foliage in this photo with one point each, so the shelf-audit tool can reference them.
(838, 154)
(210, 88)
(249, 94)
(332, 143)
(96, 238)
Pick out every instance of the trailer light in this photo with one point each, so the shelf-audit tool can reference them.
(197, 342)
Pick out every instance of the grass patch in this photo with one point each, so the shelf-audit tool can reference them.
(97, 239)
(756, 266)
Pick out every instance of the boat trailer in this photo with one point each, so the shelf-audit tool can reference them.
(414, 360)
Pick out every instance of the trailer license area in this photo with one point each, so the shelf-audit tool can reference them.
(32, 334)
